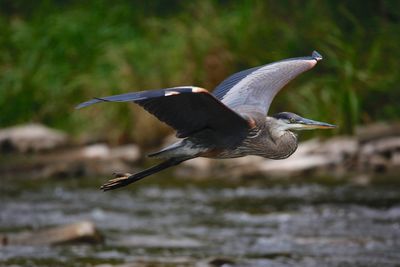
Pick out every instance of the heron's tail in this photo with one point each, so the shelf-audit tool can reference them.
(122, 180)
(171, 151)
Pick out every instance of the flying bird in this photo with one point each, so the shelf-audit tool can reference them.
(230, 122)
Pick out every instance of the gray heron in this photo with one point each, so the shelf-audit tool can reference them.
(230, 122)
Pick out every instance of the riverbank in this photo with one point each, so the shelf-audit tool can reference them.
(35, 151)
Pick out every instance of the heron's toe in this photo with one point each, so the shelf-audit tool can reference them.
(121, 174)
(119, 180)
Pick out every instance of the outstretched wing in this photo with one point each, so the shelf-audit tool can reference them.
(254, 89)
(186, 109)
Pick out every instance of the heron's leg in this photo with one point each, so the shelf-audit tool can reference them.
(123, 179)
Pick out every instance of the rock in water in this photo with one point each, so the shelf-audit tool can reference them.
(80, 232)
(31, 138)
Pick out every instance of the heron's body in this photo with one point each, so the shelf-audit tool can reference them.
(229, 123)
(264, 139)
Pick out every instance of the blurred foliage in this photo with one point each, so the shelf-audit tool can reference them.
(56, 54)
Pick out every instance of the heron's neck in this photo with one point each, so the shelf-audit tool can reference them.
(277, 129)
(275, 141)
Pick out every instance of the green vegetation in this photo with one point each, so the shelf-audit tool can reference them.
(58, 53)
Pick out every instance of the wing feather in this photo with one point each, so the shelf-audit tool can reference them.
(186, 109)
(224, 87)
(252, 90)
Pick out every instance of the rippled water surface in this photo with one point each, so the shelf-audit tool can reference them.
(249, 223)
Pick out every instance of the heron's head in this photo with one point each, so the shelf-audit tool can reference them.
(291, 121)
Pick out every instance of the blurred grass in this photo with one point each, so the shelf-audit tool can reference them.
(56, 54)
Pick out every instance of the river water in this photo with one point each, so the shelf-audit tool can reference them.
(248, 223)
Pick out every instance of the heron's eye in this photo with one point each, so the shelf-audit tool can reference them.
(292, 120)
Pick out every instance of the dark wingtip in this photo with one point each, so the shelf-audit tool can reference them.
(317, 56)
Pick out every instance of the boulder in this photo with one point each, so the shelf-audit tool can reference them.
(376, 131)
(342, 146)
(298, 165)
(395, 160)
(95, 151)
(380, 155)
(381, 146)
(128, 153)
(80, 232)
(31, 138)
(91, 160)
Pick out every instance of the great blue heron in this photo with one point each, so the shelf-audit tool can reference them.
(231, 122)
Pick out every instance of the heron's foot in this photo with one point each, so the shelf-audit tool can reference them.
(120, 180)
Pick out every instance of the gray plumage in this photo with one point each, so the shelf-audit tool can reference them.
(231, 122)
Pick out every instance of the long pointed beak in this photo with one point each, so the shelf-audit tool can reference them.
(311, 124)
